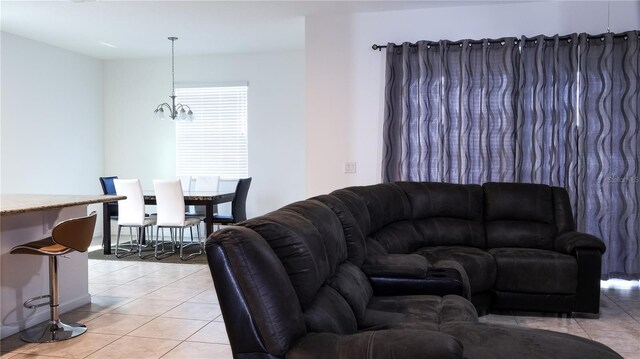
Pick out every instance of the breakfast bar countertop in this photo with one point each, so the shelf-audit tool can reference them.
(21, 203)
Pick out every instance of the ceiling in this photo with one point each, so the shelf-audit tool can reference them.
(139, 29)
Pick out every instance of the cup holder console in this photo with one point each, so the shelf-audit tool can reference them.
(438, 281)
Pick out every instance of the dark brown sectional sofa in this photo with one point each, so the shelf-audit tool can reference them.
(382, 271)
(514, 244)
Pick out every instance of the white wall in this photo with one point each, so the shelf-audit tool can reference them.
(138, 147)
(51, 119)
(345, 77)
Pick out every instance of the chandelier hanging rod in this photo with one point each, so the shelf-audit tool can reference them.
(176, 111)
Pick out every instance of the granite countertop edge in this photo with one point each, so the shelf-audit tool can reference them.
(15, 204)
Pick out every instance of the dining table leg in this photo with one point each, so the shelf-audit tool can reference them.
(208, 220)
(106, 229)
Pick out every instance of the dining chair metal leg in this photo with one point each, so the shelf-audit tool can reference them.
(182, 245)
(142, 230)
(164, 253)
(118, 250)
(131, 239)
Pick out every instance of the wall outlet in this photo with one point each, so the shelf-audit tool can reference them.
(349, 167)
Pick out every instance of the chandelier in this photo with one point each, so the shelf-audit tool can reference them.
(177, 112)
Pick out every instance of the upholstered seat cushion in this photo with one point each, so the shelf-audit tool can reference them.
(528, 270)
(428, 310)
(45, 246)
(378, 344)
(479, 265)
(396, 265)
(491, 341)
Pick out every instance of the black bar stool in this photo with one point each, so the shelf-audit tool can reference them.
(66, 236)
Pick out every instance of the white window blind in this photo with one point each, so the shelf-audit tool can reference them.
(215, 143)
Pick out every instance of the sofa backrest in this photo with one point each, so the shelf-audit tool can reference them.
(446, 214)
(345, 278)
(354, 238)
(387, 203)
(390, 228)
(260, 306)
(402, 217)
(308, 239)
(525, 215)
(562, 210)
(357, 207)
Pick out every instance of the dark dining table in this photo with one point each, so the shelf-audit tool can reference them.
(208, 199)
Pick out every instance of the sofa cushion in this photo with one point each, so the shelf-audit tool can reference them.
(443, 231)
(377, 344)
(482, 340)
(328, 226)
(563, 213)
(354, 286)
(518, 201)
(432, 199)
(387, 203)
(266, 312)
(428, 311)
(357, 207)
(529, 270)
(479, 265)
(398, 237)
(356, 245)
(396, 265)
(300, 248)
(329, 312)
(523, 234)
(519, 215)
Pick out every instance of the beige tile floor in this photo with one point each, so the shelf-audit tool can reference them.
(161, 310)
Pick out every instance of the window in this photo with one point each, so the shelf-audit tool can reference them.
(215, 143)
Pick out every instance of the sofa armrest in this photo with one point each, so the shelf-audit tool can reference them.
(377, 344)
(569, 241)
(396, 265)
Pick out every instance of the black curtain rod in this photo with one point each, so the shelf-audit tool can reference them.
(565, 37)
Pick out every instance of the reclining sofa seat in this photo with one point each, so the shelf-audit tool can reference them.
(390, 274)
(297, 280)
(287, 288)
(542, 262)
(440, 223)
(514, 245)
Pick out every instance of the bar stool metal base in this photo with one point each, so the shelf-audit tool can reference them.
(52, 332)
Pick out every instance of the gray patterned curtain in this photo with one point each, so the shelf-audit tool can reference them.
(450, 110)
(546, 126)
(608, 181)
(561, 111)
(413, 92)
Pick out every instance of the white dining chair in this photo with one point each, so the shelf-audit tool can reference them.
(170, 208)
(131, 214)
(186, 182)
(206, 183)
(187, 186)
